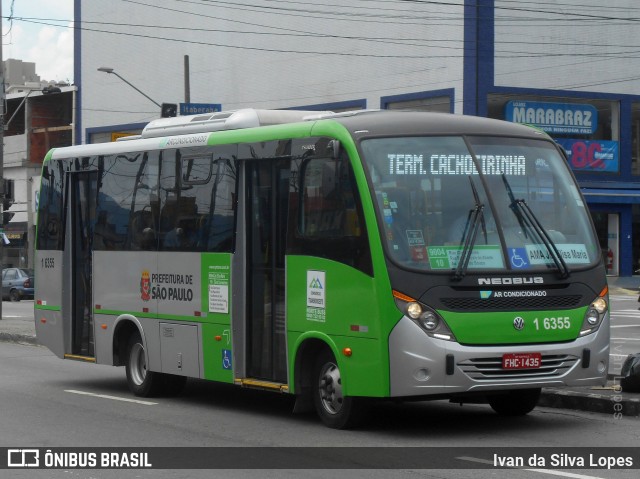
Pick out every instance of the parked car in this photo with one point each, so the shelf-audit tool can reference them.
(17, 283)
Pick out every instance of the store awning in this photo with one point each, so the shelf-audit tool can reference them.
(609, 195)
(19, 213)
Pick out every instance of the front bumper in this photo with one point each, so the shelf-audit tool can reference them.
(418, 364)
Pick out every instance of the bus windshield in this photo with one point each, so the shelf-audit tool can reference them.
(492, 203)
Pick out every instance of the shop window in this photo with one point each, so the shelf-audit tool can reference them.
(440, 104)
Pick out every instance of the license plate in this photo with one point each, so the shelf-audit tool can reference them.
(521, 361)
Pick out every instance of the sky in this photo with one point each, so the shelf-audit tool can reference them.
(48, 44)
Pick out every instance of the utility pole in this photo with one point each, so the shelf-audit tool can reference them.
(187, 87)
(2, 96)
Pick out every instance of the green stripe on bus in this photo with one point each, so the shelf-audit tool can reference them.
(44, 307)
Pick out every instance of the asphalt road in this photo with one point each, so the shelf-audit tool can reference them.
(625, 329)
(46, 402)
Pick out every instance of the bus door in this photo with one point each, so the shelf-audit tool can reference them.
(267, 186)
(77, 301)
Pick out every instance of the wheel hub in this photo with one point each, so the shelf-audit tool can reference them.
(330, 389)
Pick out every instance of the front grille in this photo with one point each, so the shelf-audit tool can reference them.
(489, 369)
(512, 304)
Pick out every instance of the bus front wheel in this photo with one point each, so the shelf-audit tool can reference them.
(334, 409)
(518, 402)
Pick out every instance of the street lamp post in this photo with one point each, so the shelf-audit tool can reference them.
(113, 72)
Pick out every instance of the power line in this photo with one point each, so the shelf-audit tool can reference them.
(629, 50)
(400, 41)
(499, 53)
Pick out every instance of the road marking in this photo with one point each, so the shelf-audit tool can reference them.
(619, 355)
(624, 326)
(541, 471)
(625, 339)
(106, 396)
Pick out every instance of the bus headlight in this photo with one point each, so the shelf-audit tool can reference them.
(595, 314)
(428, 319)
(600, 305)
(414, 310)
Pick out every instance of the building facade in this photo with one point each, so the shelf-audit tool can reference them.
(36, 120)
(566, 66)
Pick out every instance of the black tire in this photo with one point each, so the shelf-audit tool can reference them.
(518, 402)
(141, 381)
(14, 295)
(335, 410)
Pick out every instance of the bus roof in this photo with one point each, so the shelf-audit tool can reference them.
(194, 130)
(401, 123)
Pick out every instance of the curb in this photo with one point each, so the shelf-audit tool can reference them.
(617, 404)
(19, 338)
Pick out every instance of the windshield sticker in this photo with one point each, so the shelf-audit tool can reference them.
(438, 165)
(518, 258)
(482, 257)
(571, 254)
(416, 245)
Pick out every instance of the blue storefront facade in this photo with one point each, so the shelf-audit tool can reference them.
(599, 131)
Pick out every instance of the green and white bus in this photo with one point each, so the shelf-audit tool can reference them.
(335, 257)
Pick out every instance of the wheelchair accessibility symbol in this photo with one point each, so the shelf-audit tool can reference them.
(518, 258)
(226, 359)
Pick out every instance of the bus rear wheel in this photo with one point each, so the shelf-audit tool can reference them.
(518, 402)
(334, 409)
(145, 383)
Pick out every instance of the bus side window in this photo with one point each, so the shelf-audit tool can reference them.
(143, 232)
(329, 218)
(198, 199)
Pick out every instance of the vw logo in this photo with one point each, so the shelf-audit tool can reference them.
(518, 323)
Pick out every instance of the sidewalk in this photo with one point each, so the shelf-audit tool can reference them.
(18, 330)
(607, 400)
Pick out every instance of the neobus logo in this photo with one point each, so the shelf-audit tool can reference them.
(518, 280)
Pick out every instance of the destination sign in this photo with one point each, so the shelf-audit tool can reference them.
(440, 165)
(538, 254)
(482, 257)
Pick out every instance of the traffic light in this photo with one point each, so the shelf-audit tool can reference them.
(7, 201)
(168, 110)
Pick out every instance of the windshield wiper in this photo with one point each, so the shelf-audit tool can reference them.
(528, 219)
(468, 240)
